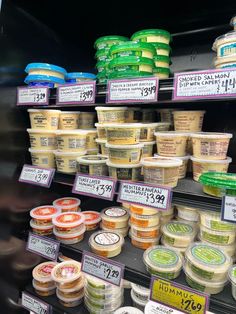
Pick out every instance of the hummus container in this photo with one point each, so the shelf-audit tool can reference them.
(142, 210)
(188, 121)
(67, 204)
(87, 120)
(163, 262)
(108, 41)
(123, 231)
(42, 158)
(146, 221)
(67, 274)
(161, 170)
(123, 133)
(166, 115)
(130, 48)
(178, 234)
(140, 292)
(162, 49)
(73, 141)
(74, 292)
(43, 80)
(233, 22)
(69, 222)
(161, 73)
(111, 114)
(147, 115)
(44, 292)
(133, 115)
(70, 238)
(67, 161)
(93, 165)
(165, 219)
(181, 250)
(183, 168)
(116, 75)
(103, 149)
(128, 310)
(229, 249)
(188, 213)
(201, 166)
(232, 278)
(101, 131)
(43, 215)
(217, 237)
(143, 243)
(147, 150)
(41, 230)
(103, 294)
(124, 172)
(212, 220)
(162, 61)
(225, 62)
(103, 54)
(90, 139)
(92, 219)
(45, 69)
(145, 233)
(225, 45)
(69, 120)
(152, 36)
(115, 217)
(44, 119)
(133, 63)
(69, 302)
(42, 275)
(106, 244)
(106, 306)
(148, 130)
(102, 66)
(172, 144)
(210, 145)
(124, 154)
(42, 139)
(98, 284)
(74, 77)
(139, 304)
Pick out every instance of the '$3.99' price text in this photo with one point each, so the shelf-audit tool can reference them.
(190, 306)
(41, 177)
(153, 198)
(101, 189)
(86, 95)
(145, 91)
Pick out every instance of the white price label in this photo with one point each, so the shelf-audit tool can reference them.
(100, 187)
(205, 84)
(32, 96)
(76, 93)
(35, 305)
(145, 194)
(36, 175)
(43, 246)
(102, 268)
(133, 90)
(228, 210)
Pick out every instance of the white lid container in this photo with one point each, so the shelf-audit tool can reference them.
(68, 220)
(128, 310)
(44, 212)
(42, 272)
(66, 272)
(67, 203)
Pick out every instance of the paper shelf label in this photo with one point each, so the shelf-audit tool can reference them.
(79, 93)
(43, 246)
(178, 297)
(100, 187)
(145, 194)
(34, 304)
(102, 268)
(32, 96)
(228, 210)
(133, 90)
(205, 84)
(37, 175)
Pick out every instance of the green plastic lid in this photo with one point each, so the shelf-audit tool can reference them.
(161, 58)
(147, 32)
(113, 38)
(161, 46)
(101, 75)
(161, 70)
(122, 61)
(132, 46)
(102, 52)
(102, 64)
(128, 74)
(219, 180)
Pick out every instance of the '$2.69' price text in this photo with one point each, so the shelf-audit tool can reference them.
(190, 305)
(103, 188)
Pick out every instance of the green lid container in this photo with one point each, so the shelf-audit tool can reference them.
(132, 63)
(103, 54)
(162, 49)
(131, 48)
(115, 75)
(163, 72)
(143, 34)
(162, 59)
(108, 41)
(102, 66)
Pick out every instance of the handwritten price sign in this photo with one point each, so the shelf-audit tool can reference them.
(32, 96)
(37, 175)
(228, 210)
(35, 305)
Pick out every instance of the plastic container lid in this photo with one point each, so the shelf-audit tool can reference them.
(43, 289)
(39, 227)
(141, 303)
(73, 154)
(45, 110)
(164, 162)
(78, 287)
(32, 150)
(228, 36)
(92, 159)
(172, 134)
(228, 160)
(106, 240)
(145, 217)
(134, 146)
(137, 46)
(83, 75)
(179, 230)
(69, 235)
(100, 108)
(44, 212)
(174, 158)
(128, 310)
(128, 74)
(66, 271)
(149, 143)
(109, 164)
(140, 290)
(45, 66)
(63, 299)
(123, 61)
(67, 202)
(115, 212)
(42, 272)
(70, 112)
(71, 132)
(161, 46)
(232, 274)
(149, 32)
(41, 131)
(43, 78)
(110, 38)
(211, 135)
(123, 125)
(68, 219)
(161, 70)
(219, 180)
(91, 217)
(102, 52)
(161, 58)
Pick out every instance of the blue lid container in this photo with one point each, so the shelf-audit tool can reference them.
(45, 66)
(79, 76)
(43, 80)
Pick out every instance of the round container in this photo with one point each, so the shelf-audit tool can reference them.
(217, 237)
(166, 115)
(227, 249)
(67, 161)
(67, 204)
(180, 250)
(103, 294)
(108, 41)
(111, 114)
(102, 66)
(69, 302)
(42, 139)
(147, 115)
(138, 303)
(45, 69)
(106, 244)
(90, 139)
(212, 220)
(41, 230)
(162, 261)
(188, 121)
(74, 292)
(115, 217)
(122, 231)
(87, 120)
(73, 141)
(161, 170)
(43, 215)
(128, 310)
(43, 80)
(147, 150)
(188, 213)
(69, 222)
(183, 168)
(143, 243)
(115, 75)
(152, 36)
(132, 49)
(44, 292)
(145, 221)
(93, 165)
(124, 172)
(211, 145)
(145, 233)
(133, 115)
(101, 131)
(66, 272)
(92, 219)
(69, 120)
(123, 133)
(225, 62)
(161, 73)
(124, 154)
(201, 166)
(103, 149)
(42, 158)
(172, 144)
(142, 210)
(102, 54)
(42, 275)
(98, 284)
(106, 306)
(44, 119)
(70, 238)
(162, 61)
(162, 49)
(178, 234)
(225, 45)
(232, 278)
(148, 130)
(140, 64)
(75, 77)
(140, 292)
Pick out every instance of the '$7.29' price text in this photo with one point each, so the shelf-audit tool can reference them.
(103, 188)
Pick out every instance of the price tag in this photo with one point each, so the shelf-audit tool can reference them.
(79, 93)
(205, 84)
(228, 209)
(145, 194)
(32, 96)
(100, 187)
(34, 304)
(43, 246)
(133, 90)
(102, 268)
(37, 175)
(178, 297)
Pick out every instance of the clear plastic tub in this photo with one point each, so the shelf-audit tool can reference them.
(124, 172)
(172, 144)
(67, 204)
(42, 158)
(115, 217)
(92, 219)
(98, 284)
(44, 292)
(217, 237)
(148, 130)
(69, 120)
(111, 303)
(44, 119)
(38, 68)
(123, 133)
(101, 294)
(69, 302)
(232, 278)
(122, 231)
(145, 233)
(101, 131)
(181, 250)
(142, 210)
(43, 215)
(128, 310)
(42, 139)
(71, 140)
(124, 154)
(103, 149)
(93, 165)
(183, 168)
(225, 45)
(70, 238)
(67, 273)
(91, 139)
(87, 120)
(139, 304)
(229, 249)
(140, 292)
(130, 48)
(131, 63)
(42, 274)
(147, 115)
(76, 292)
(41, 230)
(111, 114)
(143, 243)
(188, 213)
(133, 115)
(67, 161)
(188, 121)
(212, 220)
(68, 222)
(145, 221)
(148, 149)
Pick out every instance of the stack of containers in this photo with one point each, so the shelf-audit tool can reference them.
(187, 214)
(67, 204)
(139, 296)
(41, 222)
(42, 280)
(76, 77)
(92, 220)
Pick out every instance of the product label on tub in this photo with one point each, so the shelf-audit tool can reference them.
(37, 175)
(32, 96)
(34, 304)
(228, 210)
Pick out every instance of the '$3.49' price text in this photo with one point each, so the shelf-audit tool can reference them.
(145, 91)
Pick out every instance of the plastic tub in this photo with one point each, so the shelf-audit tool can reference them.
(167, 212)
(161, 73)
(201, 166)
(178, 234)
(147, 150)
(42, 275)
(103, 149)
(145, 221)
(41, 230)
(143, 243)
(42, 158)
(230, 249)
(133, 63)
(162, 61)
(161, 170)
(102, 66)
(188, 121)
(166, 115)
(140, 292)
(67, 161)
(73, 141)
(145, 233)
(148, 130)
(44, 292)
(67, 204)
(69, 302)
(42, 139)
(172, 144)
(162, 49)
(225, 45)
(123, 231)
(90, 139)
(133, 115)
(225, 62)
(147, 115)
(152, 36)
(99, 284)
(103, 294)
(44, 119)
(217, 237)
(108, 41)
(106, 305)
(111, 114)
(232, 278)
(123, 133)
(180, 250)
(106, 244)
(69, 120)
(183, 168)
(92, 219)
(103, 54)
(69, 222)
(115, 217)
(116, 75)
(188, 213)
(45, 69)
(124, 154)
(212, 220)
(124, 172)
(93, 165)
(142, 210)
(70, 238)
(163, 262)
(87, 120)
(66, 273)
(130, 48)
(101, 131)
(75, 77)
(43, 80)
(128, 310)
(43, 215)
(138, 303)
(74, 292)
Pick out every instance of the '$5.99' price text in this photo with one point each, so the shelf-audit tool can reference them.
(86, 95)
(103, 188)
(145, 91)
(154, 198)
(191, 306)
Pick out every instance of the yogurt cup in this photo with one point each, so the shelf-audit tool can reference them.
(108, 41)
(148, 130)
(68, 222)
(188, 213)
(92, 219)
(225, 45)
(145, 233)
(148, 148)
(161, 73)
(45, 69)
(66, 273)
(115, 217)
(102, 146)
(210, 145)
(123, 231)
(71, 140)
(144, 221)
(172, 144)
(42, 158)
(212, 220)
(43, 215)
(142, 210)
(183, 168)
(162, 61)
(123, 133)
(140, 292)
(217, 237)
(90, 139)
(133, 115)
(111, 114)
(131, 48)
(152, 36)
(42, 275)
(69, 120)
(44, 119)
(188, 121)
(142, 243)
(201, 166)
(232, 278)
(140, 64)
(124, 154)
(44, 292)
(42, 139)
(70, 238)
(74, 77)
(128, 310)
(41, 230)
(87, 120)
(67, 204)
(93, 165)
(67, 161)
(162, 49)
(69, 302)
(124, 172)
(138, 303)
(101, 131)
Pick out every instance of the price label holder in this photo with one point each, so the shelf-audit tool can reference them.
(27, 96)
(145, 194)
(178, 297)
(228, 209)
(34, 304)
(79, 93)
(102, 268)
(43, 246)
(133, 90)
(37, 175)
(205, 84)
(100, 187)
